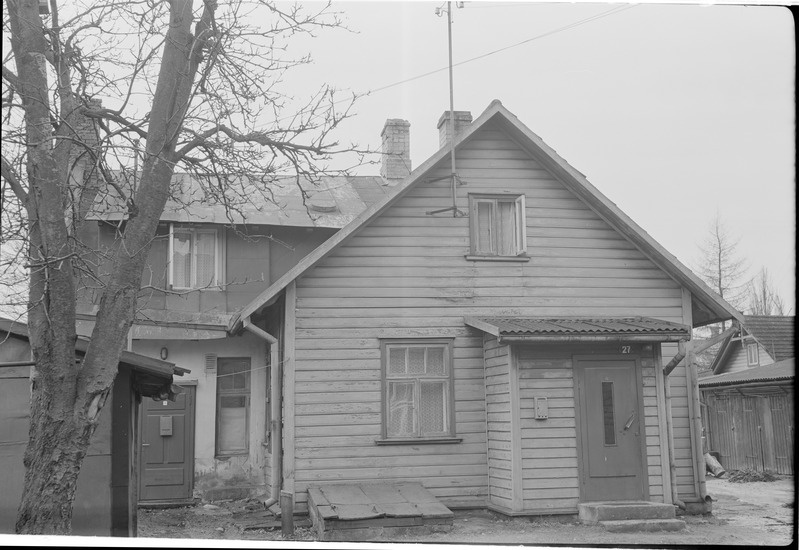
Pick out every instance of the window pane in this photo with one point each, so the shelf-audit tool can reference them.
(396, 360)
(435, 360)
(232, 424)
(484, 229)
(416, 360)
(506, 228)
(432, 410)
(206, 259)
(400, 409)
(181, 260)
(233, 374)
(608, 413)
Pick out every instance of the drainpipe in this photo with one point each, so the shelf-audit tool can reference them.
(670, 435)
(274, 402)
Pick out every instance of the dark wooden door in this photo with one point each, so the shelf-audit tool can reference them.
(167, 453)
(611, 430)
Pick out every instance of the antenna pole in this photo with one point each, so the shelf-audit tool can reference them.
(451, 113)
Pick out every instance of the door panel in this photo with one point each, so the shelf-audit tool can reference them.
(610, 430)
(167, 458)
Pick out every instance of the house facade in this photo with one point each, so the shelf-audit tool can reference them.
(747, 404)
(205, 263)
(495, 330)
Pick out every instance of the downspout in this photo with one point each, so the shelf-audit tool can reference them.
(275, 434)
(675, 499)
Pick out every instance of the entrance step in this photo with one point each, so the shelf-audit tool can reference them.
(637, 525)
(626, 516)
(369, 511)
(593, 512)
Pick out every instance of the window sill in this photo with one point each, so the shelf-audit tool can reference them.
(419, 441)
(479, 258)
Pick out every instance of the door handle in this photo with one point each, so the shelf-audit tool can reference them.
(629, 421)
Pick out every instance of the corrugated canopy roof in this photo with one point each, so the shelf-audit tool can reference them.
(330, 202)
(781, 370)
(623, 327)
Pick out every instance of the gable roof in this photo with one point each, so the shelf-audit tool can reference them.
(775, 333)
(707, 306)
(781, 370)
(331, 202)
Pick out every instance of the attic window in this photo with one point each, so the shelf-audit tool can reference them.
(752, 355)
(194, 258)
(497, 227)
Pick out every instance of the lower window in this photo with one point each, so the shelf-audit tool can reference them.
(232, 406)
(417, 389)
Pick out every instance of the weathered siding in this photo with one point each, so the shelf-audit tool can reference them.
(499, 424)
(737, 361)
(405, 275)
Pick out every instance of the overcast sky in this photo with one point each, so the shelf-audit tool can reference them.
(674, 112)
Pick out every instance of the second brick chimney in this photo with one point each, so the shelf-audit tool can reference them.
(396, 158)
(462, 121)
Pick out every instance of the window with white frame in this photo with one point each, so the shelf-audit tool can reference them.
(497, 225)
(752, 355)
(417, 389)
(194, 258)
(232, 406)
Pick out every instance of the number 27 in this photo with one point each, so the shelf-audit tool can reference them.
(625, 349)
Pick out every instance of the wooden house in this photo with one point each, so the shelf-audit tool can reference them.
(498, 335)
(747, 404)
(206, 262)
(107, 492)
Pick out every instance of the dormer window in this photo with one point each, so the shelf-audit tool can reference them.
(497, 227)
(752, 356)
(194, 258)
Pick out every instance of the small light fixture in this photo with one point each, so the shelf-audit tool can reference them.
(164, 353)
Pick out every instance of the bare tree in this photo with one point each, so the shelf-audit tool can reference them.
(199, 87)
(720, 265)
(763, 297)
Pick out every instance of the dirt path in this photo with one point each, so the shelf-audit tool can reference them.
(743, 514)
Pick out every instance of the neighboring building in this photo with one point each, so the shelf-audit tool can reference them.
(747, 405)
(508, 353)
(763, 340)
(105, 501)
(205, 263)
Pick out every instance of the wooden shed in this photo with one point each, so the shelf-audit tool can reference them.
(748, 417)
(106, 497)
(496, 332)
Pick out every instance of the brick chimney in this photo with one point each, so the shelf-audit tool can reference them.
(462, 121)
(396, 159)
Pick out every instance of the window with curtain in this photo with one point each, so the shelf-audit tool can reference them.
(417, 389)
(232, 406)
(497, 225)
(194, 261)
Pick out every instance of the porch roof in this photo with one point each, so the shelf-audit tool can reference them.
(585, 329)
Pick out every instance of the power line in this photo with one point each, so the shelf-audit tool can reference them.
(570, 26)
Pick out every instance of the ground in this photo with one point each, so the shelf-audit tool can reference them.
(759, 513)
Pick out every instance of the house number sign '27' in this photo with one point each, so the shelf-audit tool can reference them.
(626, 349)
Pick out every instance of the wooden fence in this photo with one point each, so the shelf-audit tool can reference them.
(750, 428)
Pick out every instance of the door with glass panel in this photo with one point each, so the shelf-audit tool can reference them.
(610, 429)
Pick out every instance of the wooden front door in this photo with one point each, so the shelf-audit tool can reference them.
(611, 448)
(167, 453)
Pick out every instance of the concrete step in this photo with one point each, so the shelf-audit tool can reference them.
(593, 512)
(638, 525)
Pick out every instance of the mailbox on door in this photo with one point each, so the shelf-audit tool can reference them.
(166, 425)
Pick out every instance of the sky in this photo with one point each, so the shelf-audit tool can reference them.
(674, 112)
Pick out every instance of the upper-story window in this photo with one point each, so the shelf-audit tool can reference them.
(497, 226)
(194, 257)
(752, 355)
